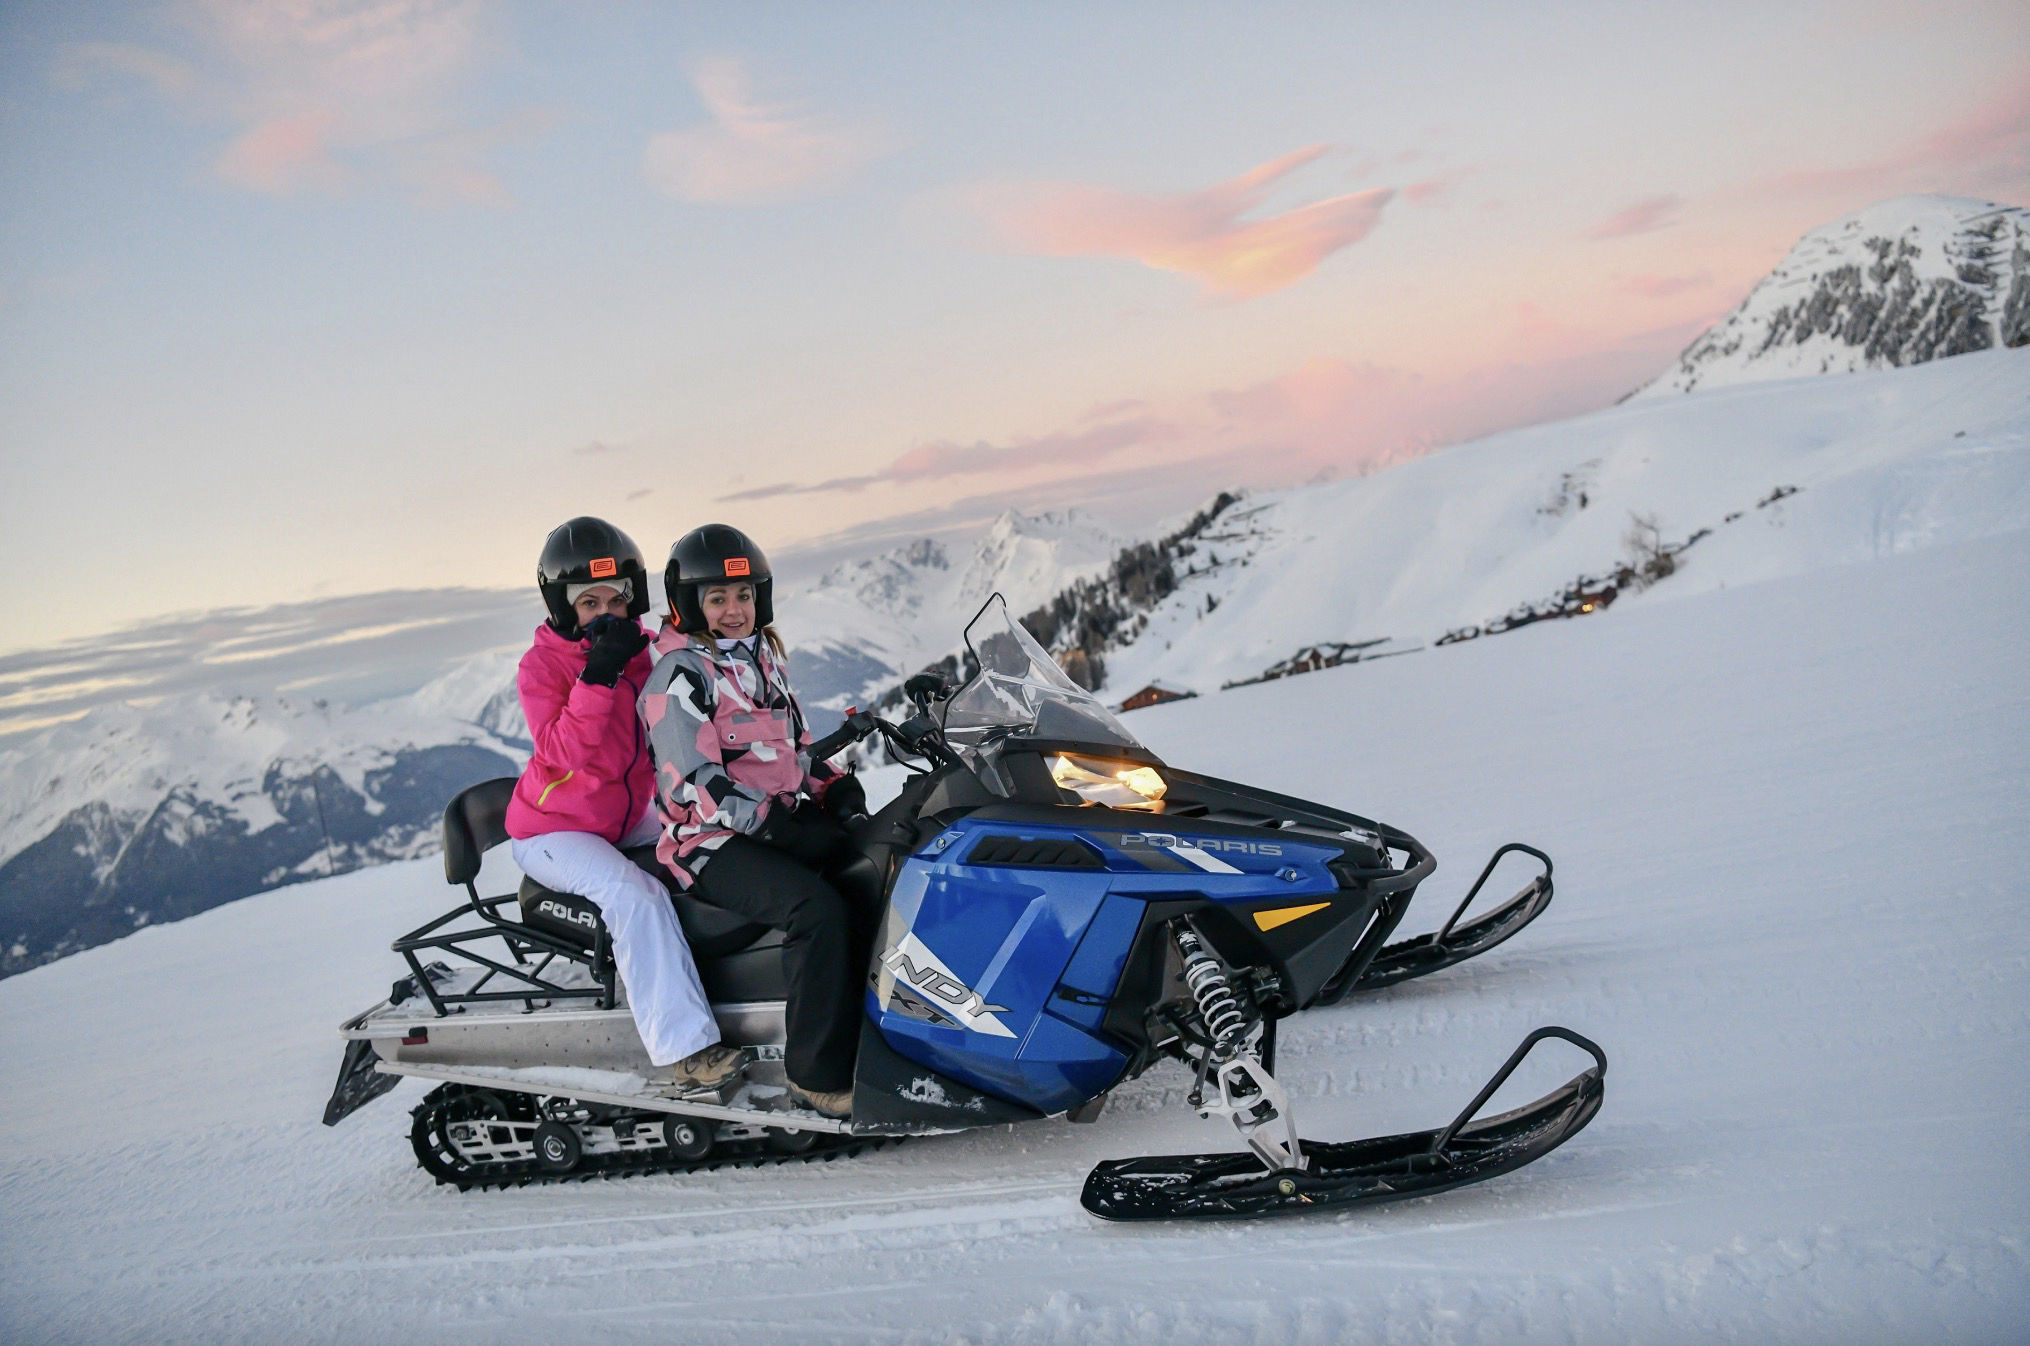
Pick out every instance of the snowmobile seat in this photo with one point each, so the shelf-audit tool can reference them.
(711, 931)
(737, 959)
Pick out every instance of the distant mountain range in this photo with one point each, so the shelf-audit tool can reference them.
(137, 814)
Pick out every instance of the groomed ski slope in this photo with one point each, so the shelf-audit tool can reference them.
(1791, 832)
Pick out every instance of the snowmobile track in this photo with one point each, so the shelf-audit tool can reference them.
(530, 1173)
(452, 1104)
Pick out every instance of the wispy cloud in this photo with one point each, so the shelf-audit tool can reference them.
(754, 150)
(1650, 213)
(392, 643)
(940, 459)
(284, 155)
(1434, 190)
(1199, 234)
(81, 65)
(324, 96)
(1986, 150)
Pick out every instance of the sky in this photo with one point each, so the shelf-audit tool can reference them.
(308, 299)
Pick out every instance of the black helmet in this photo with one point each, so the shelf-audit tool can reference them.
(715, 554)
(586, 550)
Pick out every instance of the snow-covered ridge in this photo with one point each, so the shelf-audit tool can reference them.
(1880, 462)
(140, 813)
(1901, 282)
(134, 814)
(864, 624)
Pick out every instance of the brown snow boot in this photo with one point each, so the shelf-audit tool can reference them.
(837, 1103)
(707, 1071)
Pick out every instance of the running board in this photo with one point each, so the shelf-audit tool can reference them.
(1356, 1172)
(1455, 943)
(531, 1082)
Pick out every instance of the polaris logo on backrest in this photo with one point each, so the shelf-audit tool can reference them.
(558, 911)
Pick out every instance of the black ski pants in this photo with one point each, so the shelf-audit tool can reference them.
(824, 956)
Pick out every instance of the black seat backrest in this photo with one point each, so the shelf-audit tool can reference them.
(474, 823)
(712, 932)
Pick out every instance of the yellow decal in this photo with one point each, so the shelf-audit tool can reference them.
(569, 774)
(1269, 920)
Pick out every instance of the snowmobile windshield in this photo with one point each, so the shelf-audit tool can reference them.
(1020, 692)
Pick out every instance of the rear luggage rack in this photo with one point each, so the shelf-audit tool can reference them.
(533, 952)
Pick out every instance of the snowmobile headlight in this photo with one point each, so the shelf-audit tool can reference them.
(1121, 785)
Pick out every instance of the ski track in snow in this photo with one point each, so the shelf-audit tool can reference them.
(1790, 831)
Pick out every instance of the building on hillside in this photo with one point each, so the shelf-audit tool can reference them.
(1155, 694)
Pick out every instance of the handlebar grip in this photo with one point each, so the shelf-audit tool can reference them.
(858, 725)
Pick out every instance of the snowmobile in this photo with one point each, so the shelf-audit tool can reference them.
(1062, 911)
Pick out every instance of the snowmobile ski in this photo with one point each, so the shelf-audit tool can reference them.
(1455, 943)
(1358, 1172)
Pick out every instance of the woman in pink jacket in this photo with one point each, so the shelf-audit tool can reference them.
(588, 791)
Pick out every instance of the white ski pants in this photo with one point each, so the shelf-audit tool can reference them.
(669, 1006)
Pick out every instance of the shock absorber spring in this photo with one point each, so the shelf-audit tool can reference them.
(1224, 1019)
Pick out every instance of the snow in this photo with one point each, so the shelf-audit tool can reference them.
(1788, 818)
(1881, 461)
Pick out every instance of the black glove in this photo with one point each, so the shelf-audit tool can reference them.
(803, 832)
(925, 688)
(845, 798)
(615, 641)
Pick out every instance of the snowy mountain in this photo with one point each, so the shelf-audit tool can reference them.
(1788, 826)
(136, 815)
(859, 627)
(1901, 282)
(1645, 502)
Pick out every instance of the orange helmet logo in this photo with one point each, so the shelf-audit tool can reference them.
(605, 568)
(736, 565)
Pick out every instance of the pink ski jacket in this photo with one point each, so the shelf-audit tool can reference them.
(590, 771)
(729, 742)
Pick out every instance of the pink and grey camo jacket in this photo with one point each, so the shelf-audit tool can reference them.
(729, 744)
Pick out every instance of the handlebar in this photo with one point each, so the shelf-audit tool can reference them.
(858, 725)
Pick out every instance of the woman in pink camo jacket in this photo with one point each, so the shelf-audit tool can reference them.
(750, 821)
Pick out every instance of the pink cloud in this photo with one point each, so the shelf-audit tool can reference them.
(284, 155)
(322, 96)
(1987, 150)
(1327, 417)
(1655, 212)
(1427, 192)
(1663, 287)
(1433, 190)
(1199, 234)
(941, 458)
(751, 150)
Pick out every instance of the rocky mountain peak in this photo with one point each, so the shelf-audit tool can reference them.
(1907, 280)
